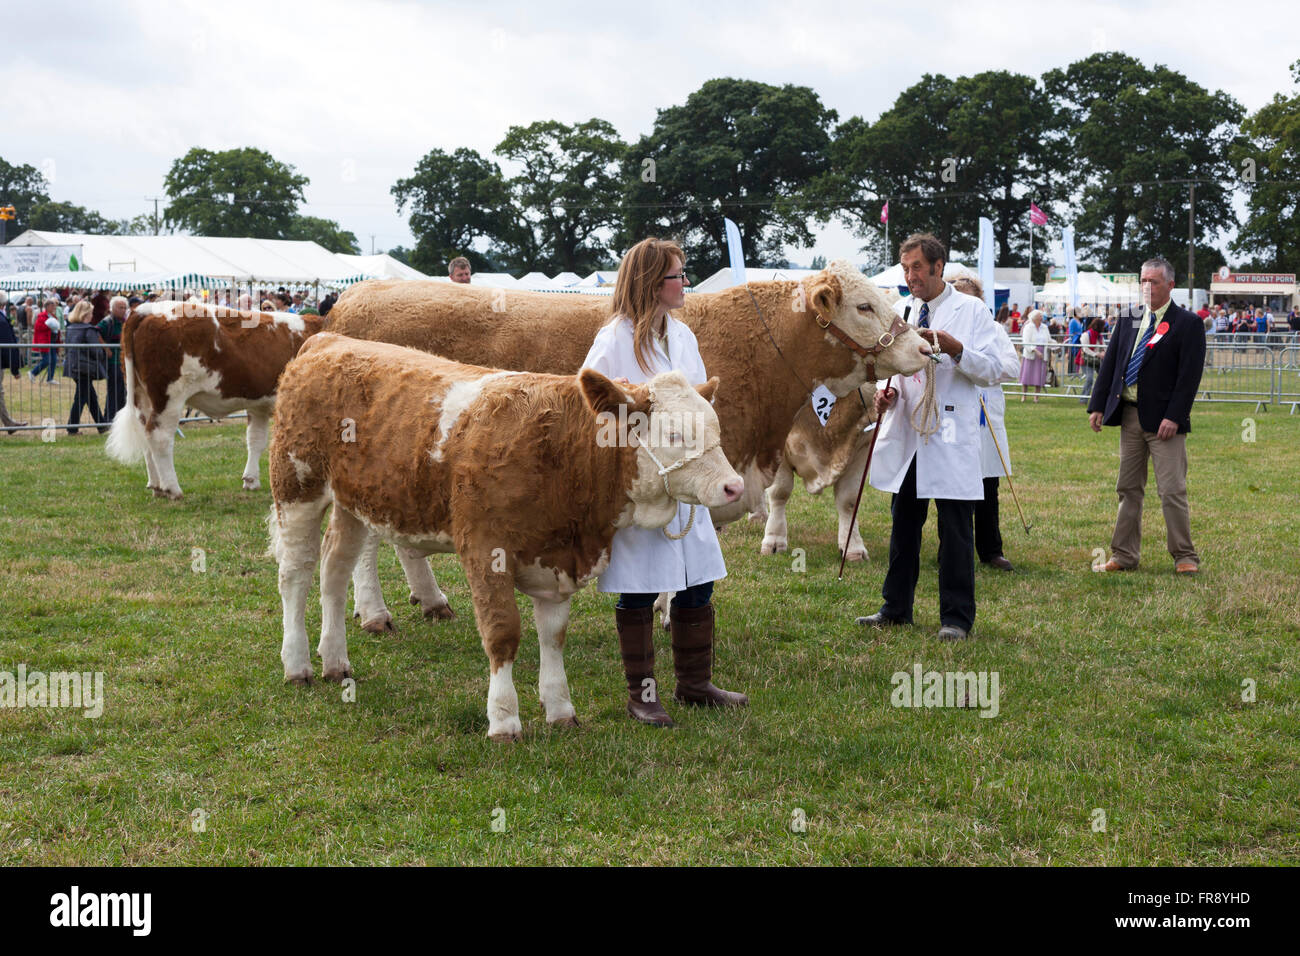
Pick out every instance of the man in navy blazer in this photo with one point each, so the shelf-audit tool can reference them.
(1146, 385)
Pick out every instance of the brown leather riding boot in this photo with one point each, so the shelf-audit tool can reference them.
(693, 659)
(636, 629)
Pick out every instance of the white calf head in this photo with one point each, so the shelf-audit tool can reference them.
(675, 430)
(840, 293)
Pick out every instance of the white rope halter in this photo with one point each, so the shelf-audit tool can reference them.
(664, 471)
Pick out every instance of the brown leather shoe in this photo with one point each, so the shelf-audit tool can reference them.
(1001, 563)
(693, 660)
(1186, 567)
(636, 629)
(1113, 565)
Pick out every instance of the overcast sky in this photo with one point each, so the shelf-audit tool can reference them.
(103, 97)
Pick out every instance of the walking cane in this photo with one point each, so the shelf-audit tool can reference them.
(1006, 472)
(871, 450)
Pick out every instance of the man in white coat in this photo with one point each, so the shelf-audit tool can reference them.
(942, 460)
(993, 439)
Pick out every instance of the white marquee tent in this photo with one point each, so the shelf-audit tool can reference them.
(1094, 289)
(722, 278)
(380, 266)
(226, 259)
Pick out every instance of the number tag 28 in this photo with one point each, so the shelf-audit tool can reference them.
(823, 403)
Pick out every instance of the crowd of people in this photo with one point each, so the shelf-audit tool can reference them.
(37, 329)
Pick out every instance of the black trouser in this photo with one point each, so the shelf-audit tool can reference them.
(84, 395)
(689, 598)
(115, 393)
(988, 537)
(956, 556)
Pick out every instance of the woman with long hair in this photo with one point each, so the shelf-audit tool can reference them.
(643, 340)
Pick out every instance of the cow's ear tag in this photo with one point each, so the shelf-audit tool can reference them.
(823, 401)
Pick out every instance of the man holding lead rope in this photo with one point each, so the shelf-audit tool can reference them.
(929, 444)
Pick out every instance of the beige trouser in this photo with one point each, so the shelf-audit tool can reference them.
(1169, 460)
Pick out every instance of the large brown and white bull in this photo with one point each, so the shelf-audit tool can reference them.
(771, 342)
(218, 360)
(512, 471)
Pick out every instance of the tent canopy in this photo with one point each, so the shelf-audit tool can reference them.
(113, 281)
(225, 259)
(1094, 288)
(380, 266)
(722, 278)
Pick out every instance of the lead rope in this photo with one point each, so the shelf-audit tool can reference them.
(928, 409)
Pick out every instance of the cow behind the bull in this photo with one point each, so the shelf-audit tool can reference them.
(219, 360)
(512, 471)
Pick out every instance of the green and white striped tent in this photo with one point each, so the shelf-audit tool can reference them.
(112, 281)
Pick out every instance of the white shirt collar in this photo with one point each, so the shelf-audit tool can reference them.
(938, 299)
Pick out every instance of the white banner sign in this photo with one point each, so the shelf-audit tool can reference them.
(15, 259)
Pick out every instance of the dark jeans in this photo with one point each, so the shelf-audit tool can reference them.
(988, 536)
(956, 556)
(48, 360)
(84, 395)
(691, 598)
(115, 395)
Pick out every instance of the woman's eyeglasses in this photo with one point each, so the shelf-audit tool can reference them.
(680, 276)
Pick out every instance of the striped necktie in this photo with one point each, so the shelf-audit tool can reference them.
(1135, 363)
(924, 320)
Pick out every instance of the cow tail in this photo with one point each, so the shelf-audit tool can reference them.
(126, 441)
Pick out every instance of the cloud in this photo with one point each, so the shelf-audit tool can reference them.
(353, 94)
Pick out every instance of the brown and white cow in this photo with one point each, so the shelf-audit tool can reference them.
(218, 360)
(830, 456)
(506, 469)
(771, 349)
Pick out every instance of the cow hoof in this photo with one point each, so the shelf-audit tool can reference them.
(173, 495)
(252, 484)
(774, 546)
(507, 736)
(301, 679)
(336, 674)
(436, 612)
(564, 722)
(855, 555)
(379, 625)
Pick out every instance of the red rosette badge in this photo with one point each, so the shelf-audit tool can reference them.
(1161, 329)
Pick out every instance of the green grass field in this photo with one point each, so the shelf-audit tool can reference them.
(1119, 693)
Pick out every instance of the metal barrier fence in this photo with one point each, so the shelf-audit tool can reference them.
(1260, 371)
(46, 401)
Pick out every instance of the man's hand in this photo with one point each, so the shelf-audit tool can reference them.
(1167, 429)
(1094, 419)
(947, 344)
(884, 399)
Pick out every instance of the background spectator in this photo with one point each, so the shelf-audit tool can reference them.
(84, 365)
(45, 332)
(110, 328)
(1035, 340)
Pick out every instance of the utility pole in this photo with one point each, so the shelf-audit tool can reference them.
(372, 243)
(155, 212)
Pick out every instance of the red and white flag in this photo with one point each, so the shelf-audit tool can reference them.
(1036, 215)
(884, 212)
